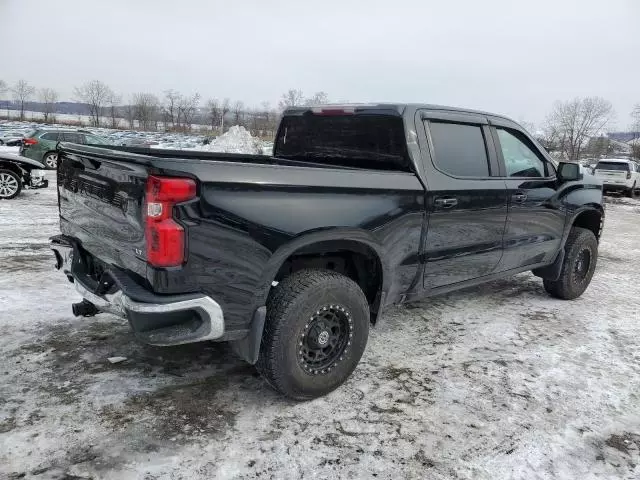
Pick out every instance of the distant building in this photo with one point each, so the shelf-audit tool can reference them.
(604, 146)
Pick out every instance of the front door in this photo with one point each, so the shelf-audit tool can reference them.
(536, 220)
(466, 203)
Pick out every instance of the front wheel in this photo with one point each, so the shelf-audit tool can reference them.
(10, 184)
(581, 255)
(315, 333)
(51, 160)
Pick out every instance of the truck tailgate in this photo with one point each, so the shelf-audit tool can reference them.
(101, 205)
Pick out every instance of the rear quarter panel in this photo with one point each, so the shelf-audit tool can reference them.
(241, 231)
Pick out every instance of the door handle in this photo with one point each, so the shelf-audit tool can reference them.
(519, 197)
(448, 202)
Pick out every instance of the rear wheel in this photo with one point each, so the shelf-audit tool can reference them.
(632, 191)
(581, 255)
(50, 160)
(10, 184)
(315, 333)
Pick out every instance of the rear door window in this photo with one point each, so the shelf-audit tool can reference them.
(55, 136)
(73, 137)
(96, 140)
(617, 166)
(459, 149)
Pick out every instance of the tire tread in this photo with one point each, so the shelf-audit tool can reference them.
(279, 305)
(562, 287)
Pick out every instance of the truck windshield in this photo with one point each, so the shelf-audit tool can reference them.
(623, 167)
(358, 141)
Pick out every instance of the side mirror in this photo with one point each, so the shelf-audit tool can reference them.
(569, 172)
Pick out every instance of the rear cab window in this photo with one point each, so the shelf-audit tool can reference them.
(368, 141)
(617, 166)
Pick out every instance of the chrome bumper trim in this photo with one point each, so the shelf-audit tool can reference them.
(119, 304)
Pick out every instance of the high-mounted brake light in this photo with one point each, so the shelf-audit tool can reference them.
(165, 238)
(333, 111)
(29, 141)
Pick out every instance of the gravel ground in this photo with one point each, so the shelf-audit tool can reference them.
(494, 382)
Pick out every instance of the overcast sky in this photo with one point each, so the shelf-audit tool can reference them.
(507, 56)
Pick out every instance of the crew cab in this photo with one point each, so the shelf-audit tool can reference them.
(292, 257)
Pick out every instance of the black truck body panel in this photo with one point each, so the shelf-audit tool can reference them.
(429, 230)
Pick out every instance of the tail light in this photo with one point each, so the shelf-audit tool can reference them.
(165, 238)
(29, 141)
(628, 175)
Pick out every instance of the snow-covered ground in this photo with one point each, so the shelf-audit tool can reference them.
(494, 382)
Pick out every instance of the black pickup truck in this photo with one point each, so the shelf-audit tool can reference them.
(291, 257)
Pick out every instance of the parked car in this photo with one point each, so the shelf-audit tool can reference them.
(41, 144)
(17, 172)
(11, 138)
(292, 257)
(619, 174)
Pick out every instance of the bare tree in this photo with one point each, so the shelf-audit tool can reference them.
(95, 94)
(22, 92)
(238, 112)
(318, 98)
(48, 98)
(635, 128)
(291, 98)
(170, 107)
(113, 101)
(213, 112)
(224, 110)
(130, 112)
(3, 89)
(574, 121)
(187, 108)
(145, 110)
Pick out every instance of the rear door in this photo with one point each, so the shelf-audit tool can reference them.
(465, 200)
(536, 217)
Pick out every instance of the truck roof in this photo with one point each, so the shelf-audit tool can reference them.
(388, 108)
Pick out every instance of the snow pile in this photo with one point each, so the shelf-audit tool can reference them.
(236, 140)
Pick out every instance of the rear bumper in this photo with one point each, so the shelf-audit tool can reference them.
(155, 319)
(614, 186)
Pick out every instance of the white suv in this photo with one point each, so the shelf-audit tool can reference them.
(619, 174)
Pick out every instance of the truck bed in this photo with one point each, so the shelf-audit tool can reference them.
(251, 212)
